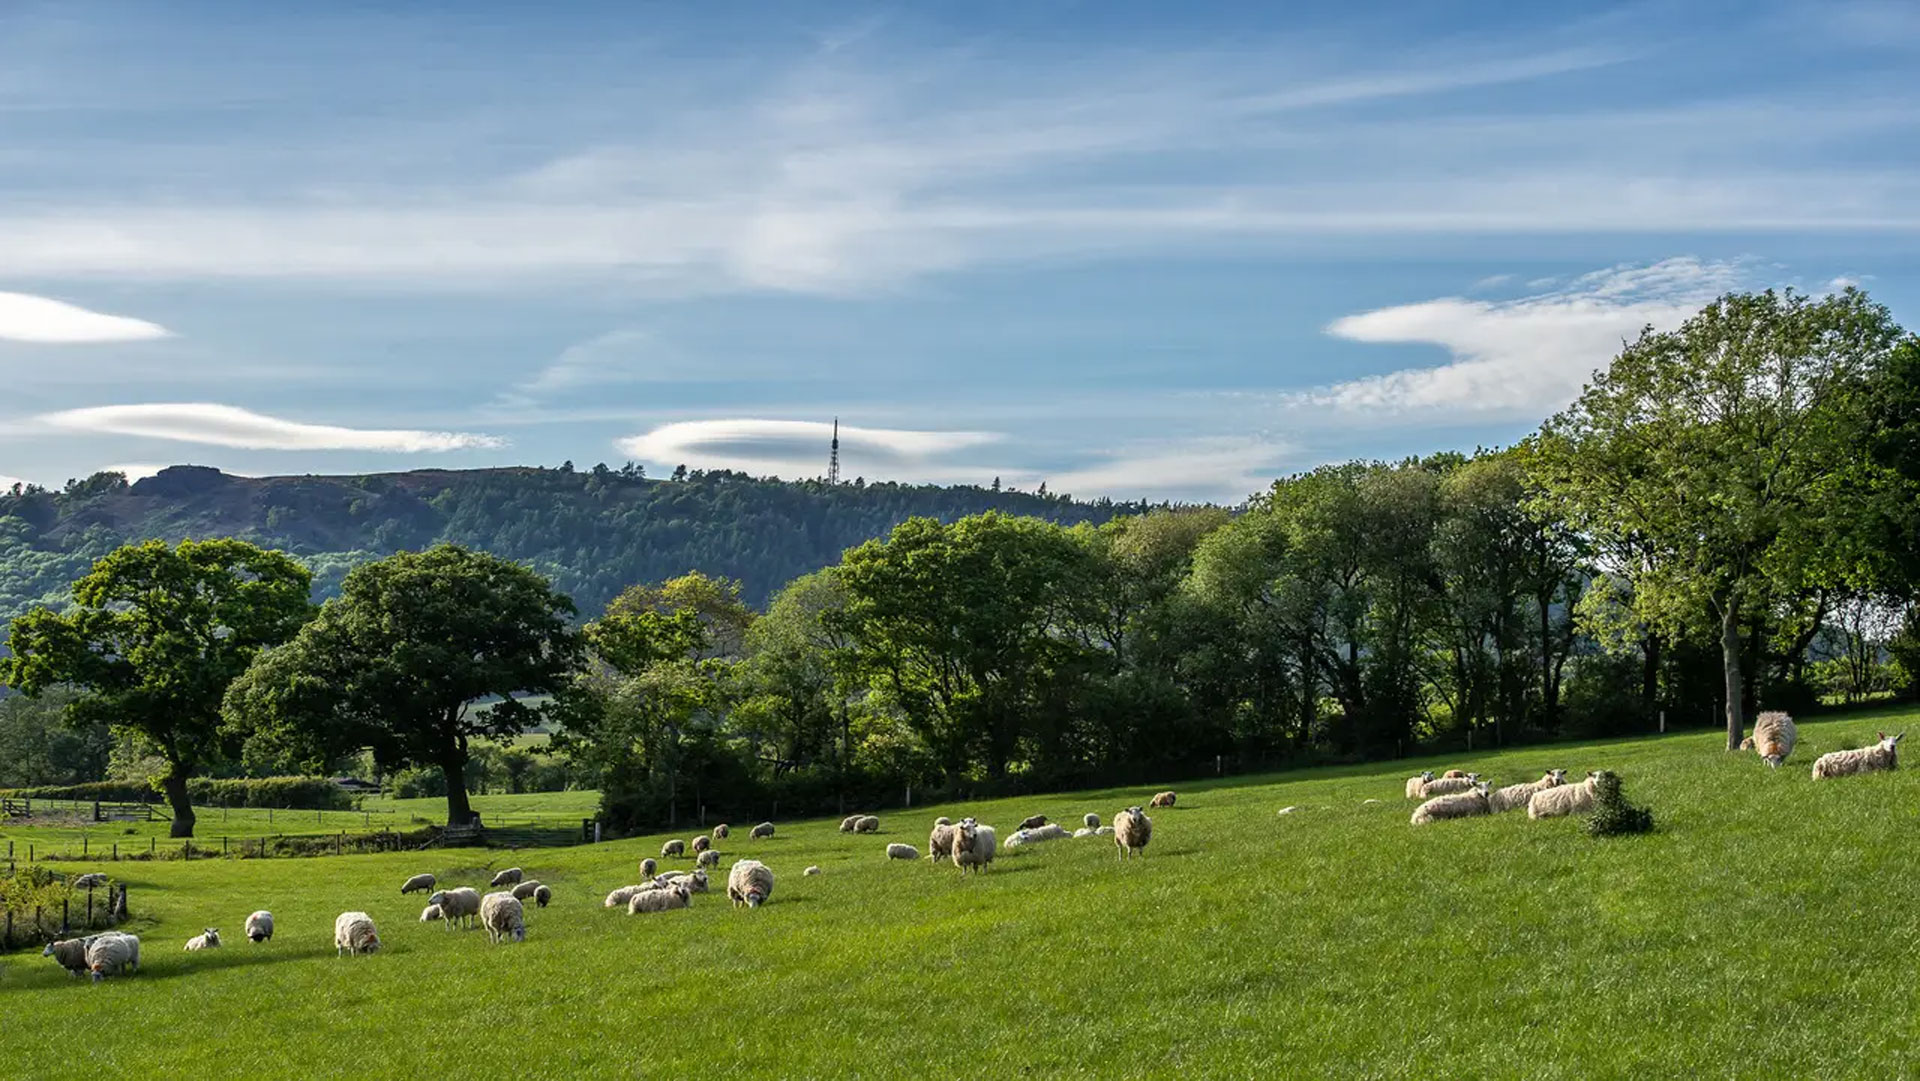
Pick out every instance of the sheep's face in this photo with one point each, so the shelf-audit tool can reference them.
(1889, 743)
(1473, 778)
(212, 936)
(1426, 775)
(754, 897)
(520, 934)
(48, 952)
(1482, 787)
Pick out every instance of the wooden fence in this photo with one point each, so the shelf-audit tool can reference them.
(36, 926)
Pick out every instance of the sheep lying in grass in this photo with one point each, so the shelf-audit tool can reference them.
(1454, 773)
(649, 867)
(1033, 823)
(208, 939)
(1083, 831)
(661, 900)
(353, 932)
(701, 844)
(1447, 786)
(764, 829)
(898, 851)
(750, 883)
(973, 845)
(1883, 755)
(1417, 786)
(867, 824)
(695, 881)
(1092, 820)
(68, 953)
(260, 926)
(418, 884)
(811, 871)
(111, 952)
(1047, 832)
(1164, 799)
(1562, 800)
(709, 858)
(1132, 829)
(940, 841)
(431, 913)
(506, 878)
(1515, 796)
(1774, 736)
(457, 906)
(1454, 805)
(721, 831)
(674, 847)
(504, 917)
(619, 898)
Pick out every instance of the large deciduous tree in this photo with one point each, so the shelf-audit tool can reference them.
(406, 660)
(154, 638)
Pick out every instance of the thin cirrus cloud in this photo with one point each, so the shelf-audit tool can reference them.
(43, 320)
(795, 447)
(229, 426)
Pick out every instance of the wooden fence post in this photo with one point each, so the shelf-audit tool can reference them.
(116, 851)
(153, 845)
(66, 917)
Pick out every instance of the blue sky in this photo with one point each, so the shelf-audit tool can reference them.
(1127, 249)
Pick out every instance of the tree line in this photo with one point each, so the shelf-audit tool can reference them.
(1724, 520)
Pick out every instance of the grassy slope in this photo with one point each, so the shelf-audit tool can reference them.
(1767, 929)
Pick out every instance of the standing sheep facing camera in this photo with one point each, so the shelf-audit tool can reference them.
(673, 848)
(720, 832)
(1883, 755)
(1132, 829)
(1092, 820)
(260, 926)
(973, 846)
(1515, 796)
(1774, 735)
(1454, 805)
(649, 867)
(506, 878)
(353, 932)
(1562, 800)
(764, 829)
(504, 917)
(1163, 799)
(461, 905)
(750, 883)
(898, 851)
(542, 896)
(208, 939)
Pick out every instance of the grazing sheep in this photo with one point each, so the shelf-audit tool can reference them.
(458, 905)
(1416, 786)
(1447, 786)
(750, 883)
(1033, 823)
(353, 933)
(709, 858)
(1454, 805)
(1563, 799)
(1132, 829)
(660, 900)
(1164, 799)
(1048, 832)
(943, 820)
(543, 896)
(1092, 820)
(1773, 736)
(764, 829)
(68, 953)
(431, 913)
(847, 823)
(867, 824)
(674, 847)
(973, 846)
(696, 882)
(648, 867)
(91, 881)
(506, 878)
(111, 951)
(701, 844)
(208, 939)
(811, 871)
(619, 898)
(720, 832)
(522, 891)
(418, 884)
(260, 926)
(1515, 796)
(898, 851)
(1883, 755)
(940, 841)
(504, 917)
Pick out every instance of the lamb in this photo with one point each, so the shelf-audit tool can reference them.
(111, 951)
(898, 851)
(648, 867)
(867, 824)
(524, 890)
(1447, 786)
(709, 858)
(460, 904)
(504, 917)
(750, 883)
(431, 913)
(1454, 805)
(619, 898)
(661, 900)
(847, 823)
(940, 841)
(1164, 799)
(701, 844)
(260, 926)
(1883, 755)
(418, 884)
(353, 933)
(764, 829)
(68, 953)
(506, 878)
(1773, 736)
(1033, 823)
(1515, 796)
(1416, 786)
(542, 896)
(973, 846)
(208, 939)
(673, 848)
(1132, 829)
(1092, 820)
(90, 881)
(1561, 800)
(721, 831)
(811, 871)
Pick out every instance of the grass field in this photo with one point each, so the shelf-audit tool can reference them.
(1768, 929)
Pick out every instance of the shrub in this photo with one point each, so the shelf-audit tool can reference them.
(290, 793)
(1612, 814)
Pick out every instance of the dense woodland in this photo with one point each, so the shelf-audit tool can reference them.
(1725, 520)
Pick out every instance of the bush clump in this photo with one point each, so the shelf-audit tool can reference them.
(1612, 814)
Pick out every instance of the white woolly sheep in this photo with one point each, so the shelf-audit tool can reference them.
(695, 881)
(701, 844)
(973, 846)
(847, 823)
(811, 871)
(110, 952)
(709, 858)
(660, 900)
(940, 841)
(353, 933)
(1562, 800)
(1132, 829)
(1286, 810)
(720, 832)
(543, 896)
(92, 880)
(1049, 832)
(1416, 786)
(1092, 820)
(68, 953)
(523, 890)
(674, 847)
(749, 883)
(260, 926)
(1447, 786)
(943, 820)
(1454, 805)
(619, 898)
(1774, 736)
(504, 917)
(1103, 831)
(506, 878)
(419, 884)
(867, 824)
(457, 906)
(648, 867)
(1515, 796)
(764, 829)
(431, 913)
(208, 939)
(1083, 831)
(1883, 755)
(898, 851)
(1163, 799)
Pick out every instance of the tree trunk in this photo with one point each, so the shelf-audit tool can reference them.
(174, 784)
(1730, 666)
(453, 764)
(1549, 686)
(1650, 675)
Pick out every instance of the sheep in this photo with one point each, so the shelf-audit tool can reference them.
(1132, 829)
(721, 831)
(1454, 773)
(543, 896)
(619, 898)
(1515, 796)
(1416, 786)
(943, 820)
(353, 933)
(1284, 811)
(68, 953)
(661, 900)
(750, 883)
(462, 904)
(90, 881)
(648, 867)
(419, 884)
(701, 844)
(1447, 786)
(1773, 736)
(1092, 820)
(847, 823)
(1048, 832)
(695, 882)
(1103, 831)
(1163, 799)
(506, 878)
(111, 951)
(764, 829)
(1564, 799)
(1033, 823)
(674, 847)
(1454, 805)
(524, 890)
(504, 917)
(431, 913)
(260, 926)
(898, 851)
(867, 824)
(811, 871)
(709, 858)
(1883, 755)
(209, 939)
(973, 846)
(1083, 831)
(940, 841)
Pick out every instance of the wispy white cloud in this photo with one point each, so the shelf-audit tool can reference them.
(617, 356)
(229, 426)
(1221, 468)
(27, 318)
(798, 448)
(1522, 357)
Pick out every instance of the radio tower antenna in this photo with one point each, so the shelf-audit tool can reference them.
(833, 456)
